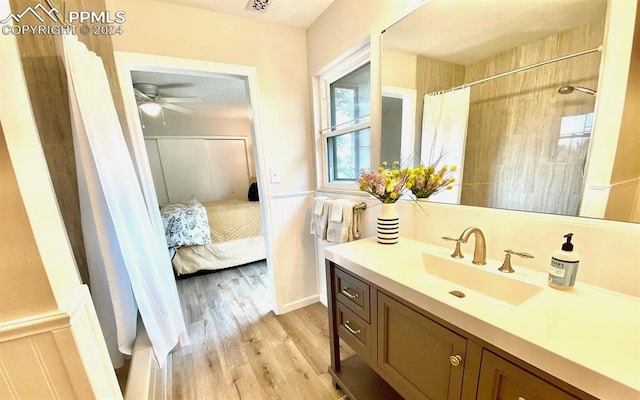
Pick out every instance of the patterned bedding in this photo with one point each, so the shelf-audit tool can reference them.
(185, 224)
(236, 238)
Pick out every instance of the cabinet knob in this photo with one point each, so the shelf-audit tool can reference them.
(521, 398)
(455, 360)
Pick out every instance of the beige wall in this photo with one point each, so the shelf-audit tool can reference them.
(624, 197)
(347, 22)
(627, 162)
(24, 287)
(278, 52)
(399, 68)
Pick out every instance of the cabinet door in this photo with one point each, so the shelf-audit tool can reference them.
(227, 161)
(501, 380)
(186, 169)
(415, 352)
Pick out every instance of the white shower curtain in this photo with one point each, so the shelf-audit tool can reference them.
(444, 135)
(128, 262)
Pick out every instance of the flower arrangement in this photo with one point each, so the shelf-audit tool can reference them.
(424, 182)
(385, 184)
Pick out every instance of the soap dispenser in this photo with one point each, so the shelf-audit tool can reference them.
(564, 266)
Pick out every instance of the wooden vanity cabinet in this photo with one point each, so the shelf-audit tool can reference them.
(404, 353)
(422, 356)
(500, 379)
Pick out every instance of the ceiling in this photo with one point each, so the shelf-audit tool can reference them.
(297, 13)
(223, 96)
(465, 31)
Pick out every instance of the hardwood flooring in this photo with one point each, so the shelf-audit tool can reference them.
(240, 350)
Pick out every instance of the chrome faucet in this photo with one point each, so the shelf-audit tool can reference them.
(479, 252)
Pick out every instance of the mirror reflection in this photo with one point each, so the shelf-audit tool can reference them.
(504, 90)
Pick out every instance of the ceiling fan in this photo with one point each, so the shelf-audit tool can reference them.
(151, 102)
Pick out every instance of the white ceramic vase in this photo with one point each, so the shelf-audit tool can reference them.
(388, 228)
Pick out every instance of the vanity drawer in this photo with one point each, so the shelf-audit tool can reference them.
(354, 330)
(500, 379)
(353, 293)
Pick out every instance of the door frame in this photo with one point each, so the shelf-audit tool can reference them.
(127, 62)
(408, 130)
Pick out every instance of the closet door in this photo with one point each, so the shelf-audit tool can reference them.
(184, 163)
(156, 171)
(229, 168)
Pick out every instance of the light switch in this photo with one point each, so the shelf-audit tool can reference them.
(275, 175)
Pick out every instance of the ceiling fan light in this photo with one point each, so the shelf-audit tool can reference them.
(150, 108)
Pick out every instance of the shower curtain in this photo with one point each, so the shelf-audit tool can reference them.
(127, 258)
(444, 134)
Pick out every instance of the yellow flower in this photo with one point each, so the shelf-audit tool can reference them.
(393, 195)
(453, 168)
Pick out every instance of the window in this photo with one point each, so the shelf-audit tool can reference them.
(346, 120)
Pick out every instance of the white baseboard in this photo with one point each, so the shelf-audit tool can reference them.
(146, 380)
(294, 305)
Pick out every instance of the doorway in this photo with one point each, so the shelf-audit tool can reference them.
(190, 80)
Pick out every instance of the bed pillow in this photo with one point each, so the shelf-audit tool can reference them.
(185, 224)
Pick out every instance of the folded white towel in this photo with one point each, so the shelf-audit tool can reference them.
(318, 204)
(319, 217)
(336, 210)
(341, 232)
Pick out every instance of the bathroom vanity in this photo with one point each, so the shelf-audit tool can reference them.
(425, 326)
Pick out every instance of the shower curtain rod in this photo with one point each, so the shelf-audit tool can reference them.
(515, 71)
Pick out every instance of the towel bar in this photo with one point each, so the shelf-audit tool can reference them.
(361, 206)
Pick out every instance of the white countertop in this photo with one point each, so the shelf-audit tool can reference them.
(588, 337)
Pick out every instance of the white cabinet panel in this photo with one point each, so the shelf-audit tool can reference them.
(185, 167)
(228, 167)
(156, 171)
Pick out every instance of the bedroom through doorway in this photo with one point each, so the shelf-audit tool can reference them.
(195, 140)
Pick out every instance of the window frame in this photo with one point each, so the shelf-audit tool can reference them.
(322, 99)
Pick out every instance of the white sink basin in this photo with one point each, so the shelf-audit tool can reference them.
(479, 279)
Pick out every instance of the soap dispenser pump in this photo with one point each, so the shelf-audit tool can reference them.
(564, 266)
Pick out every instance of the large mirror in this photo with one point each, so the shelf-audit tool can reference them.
(506, 91)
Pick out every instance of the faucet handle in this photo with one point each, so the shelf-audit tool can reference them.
(506, 265)
(457, 253)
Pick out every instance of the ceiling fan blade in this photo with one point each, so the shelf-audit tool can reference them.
(176, 108)
(182, 100)
(141, 95)
(175, 85)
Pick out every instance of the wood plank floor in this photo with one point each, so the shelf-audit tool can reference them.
(241, 350)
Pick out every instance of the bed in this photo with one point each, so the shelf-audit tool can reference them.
(234, 235)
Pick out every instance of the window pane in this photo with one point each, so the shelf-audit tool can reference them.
(348, 154)
(351, 98)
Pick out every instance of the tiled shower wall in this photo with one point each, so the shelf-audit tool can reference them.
(515, 158)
